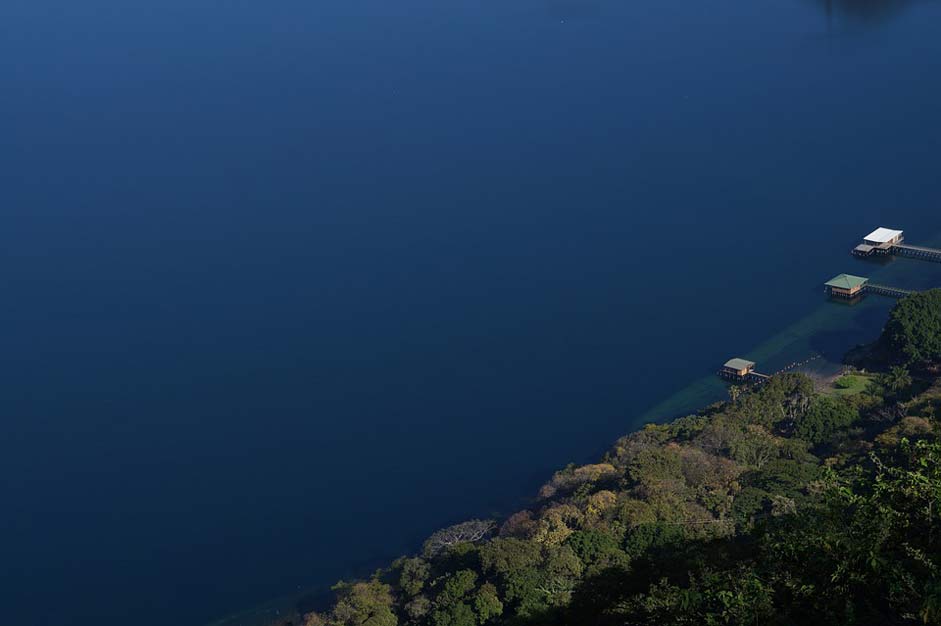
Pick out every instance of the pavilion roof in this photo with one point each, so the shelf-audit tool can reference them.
(847, 281)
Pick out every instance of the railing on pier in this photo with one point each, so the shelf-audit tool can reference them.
(898, 247)
(917, 252)
(884, 290)
(759, 378)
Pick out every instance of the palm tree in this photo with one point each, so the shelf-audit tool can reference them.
(898, 379)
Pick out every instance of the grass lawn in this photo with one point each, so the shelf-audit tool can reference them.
(851, 384)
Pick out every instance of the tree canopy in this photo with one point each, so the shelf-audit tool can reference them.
(913, 332)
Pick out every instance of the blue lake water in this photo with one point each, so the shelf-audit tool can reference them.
(287, 286)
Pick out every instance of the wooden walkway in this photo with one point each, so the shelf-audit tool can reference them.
(917, 252)
(759, 378)
(883, 242)
(885, 290)
(750, 377)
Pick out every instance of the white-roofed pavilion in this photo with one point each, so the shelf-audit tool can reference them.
(882, 236)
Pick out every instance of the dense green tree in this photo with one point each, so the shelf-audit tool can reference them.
(413, 575)
(458, 614)
(825, 417)
(656, 465)
(531, 577)
(894, 383)
(753, 446)
(737, 598)
(865, 554)
(456, 587)
(363, 604)
(451, 605)
(651, 536)
(898, 379)
(594, 547)
(913, 332)
(786, 477)
(782, 399)
(417, 608)
(487, 603)
(750, 502)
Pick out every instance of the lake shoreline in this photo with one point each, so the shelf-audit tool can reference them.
(779, 350)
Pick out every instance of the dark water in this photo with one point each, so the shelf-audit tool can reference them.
(288, 285)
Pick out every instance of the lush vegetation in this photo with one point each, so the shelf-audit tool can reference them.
(911, 334)
(787, 505)
(851, 385)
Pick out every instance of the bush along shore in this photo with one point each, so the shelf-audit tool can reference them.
(789, 504)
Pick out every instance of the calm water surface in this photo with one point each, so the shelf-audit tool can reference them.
(286, 286)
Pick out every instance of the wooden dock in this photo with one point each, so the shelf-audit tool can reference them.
(884, 241)
(742, 371)
(739, 370)
(917, 252)
(884, 290)
(852, 288)
(756, 378)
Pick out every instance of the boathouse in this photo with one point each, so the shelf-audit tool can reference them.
(879, 241)
(846, 286)
(882, 236)
(737, 369)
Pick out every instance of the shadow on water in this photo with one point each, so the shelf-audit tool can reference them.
(877, 260)
(832, 344)
(858, 11)
(864, 11)
(847, 302)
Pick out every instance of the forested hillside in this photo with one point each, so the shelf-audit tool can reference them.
(792, 503)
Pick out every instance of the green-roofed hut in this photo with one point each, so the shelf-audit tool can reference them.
(846, 286)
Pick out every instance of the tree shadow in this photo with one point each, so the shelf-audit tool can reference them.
(832, 345)
(599, 598)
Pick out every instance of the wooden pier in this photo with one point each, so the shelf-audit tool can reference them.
(883, 241)
(917, 252)
(742, 371)
(849, 287)
(884, 290)
(739, 370)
